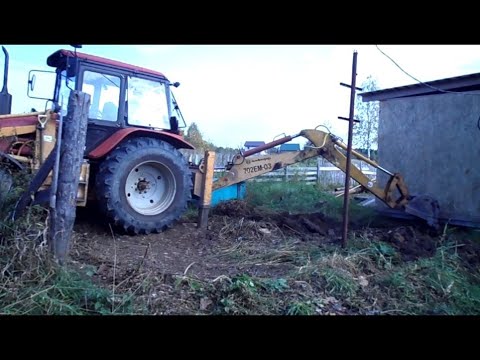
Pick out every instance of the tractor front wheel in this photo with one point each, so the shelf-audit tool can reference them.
(143, 186)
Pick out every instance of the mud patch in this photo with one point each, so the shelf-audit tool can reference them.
(310, 226)
(410, 242)
(238, 208)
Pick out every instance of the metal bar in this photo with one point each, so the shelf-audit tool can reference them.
(348, 86)
(269, 145)
(56, 167)
(364, 158)
(344, 118)
(9, 116)
(346, 198)
(206, 197)
(5, 70)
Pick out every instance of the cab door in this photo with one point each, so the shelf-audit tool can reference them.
(105, 87)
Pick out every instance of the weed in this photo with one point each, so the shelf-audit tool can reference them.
(275, 285)
(193, 284)
(59, 292)
(339, 282)
(191, 214)
(301, 308)
(32, 284)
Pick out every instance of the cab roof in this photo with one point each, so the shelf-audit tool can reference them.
(56, 58)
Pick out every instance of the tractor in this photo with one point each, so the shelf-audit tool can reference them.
(132, 164)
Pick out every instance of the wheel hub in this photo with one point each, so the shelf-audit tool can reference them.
(143, 185)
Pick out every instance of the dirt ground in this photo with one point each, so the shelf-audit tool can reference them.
(184, 250)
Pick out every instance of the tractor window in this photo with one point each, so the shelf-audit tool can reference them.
(64, 93)
(147, 103)
(104, 91)
(176, 112)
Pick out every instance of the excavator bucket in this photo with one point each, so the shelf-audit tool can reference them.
(424, 207)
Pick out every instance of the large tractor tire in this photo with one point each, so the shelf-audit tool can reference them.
(6, 184)
(143, 186)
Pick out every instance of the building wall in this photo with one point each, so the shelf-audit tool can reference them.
(434, 142)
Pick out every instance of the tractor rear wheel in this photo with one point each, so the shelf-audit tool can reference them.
(6, 184)
(143, 186)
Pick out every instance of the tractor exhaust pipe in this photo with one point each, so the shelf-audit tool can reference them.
(5, 97)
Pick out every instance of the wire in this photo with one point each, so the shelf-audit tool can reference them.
(432, 87)
(421, 82)
(324, 138)
(324, 126)
(110, 80)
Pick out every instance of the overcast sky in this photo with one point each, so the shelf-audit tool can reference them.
(237, 93)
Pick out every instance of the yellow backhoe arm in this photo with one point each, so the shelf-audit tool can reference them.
(244, 166)
(329, 145)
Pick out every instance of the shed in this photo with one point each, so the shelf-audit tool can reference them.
(430, 133)
(289, 147)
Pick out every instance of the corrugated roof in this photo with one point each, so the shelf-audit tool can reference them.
(458, 83)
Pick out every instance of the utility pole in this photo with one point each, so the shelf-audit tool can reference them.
(351, 120)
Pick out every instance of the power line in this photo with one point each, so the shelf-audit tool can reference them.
(433, 87)
(421, 82)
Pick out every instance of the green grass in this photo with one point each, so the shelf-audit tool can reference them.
(301, 308)
(60, 292)
(191, 214)
(31, 283)
(51, 290)
(437, 285)
(300, 197)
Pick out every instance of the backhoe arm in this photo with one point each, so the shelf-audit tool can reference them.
(245, 166)
(329, 145)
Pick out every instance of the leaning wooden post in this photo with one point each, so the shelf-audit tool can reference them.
(72, 145)
(206, 198)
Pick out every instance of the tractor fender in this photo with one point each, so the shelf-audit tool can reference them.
(109, 144)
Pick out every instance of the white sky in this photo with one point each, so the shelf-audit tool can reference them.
(237, 93)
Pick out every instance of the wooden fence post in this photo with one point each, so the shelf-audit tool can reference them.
(62, 213)
(206, 197)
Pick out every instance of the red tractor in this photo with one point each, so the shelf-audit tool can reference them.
(133, 167)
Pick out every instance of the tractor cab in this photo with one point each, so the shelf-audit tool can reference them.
(122, 95)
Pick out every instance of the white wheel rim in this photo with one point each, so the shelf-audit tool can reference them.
(150, 188)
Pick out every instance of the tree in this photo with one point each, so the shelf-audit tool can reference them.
(327, 123)
(366, 131)
(195, 137)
